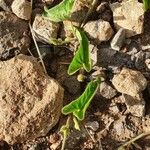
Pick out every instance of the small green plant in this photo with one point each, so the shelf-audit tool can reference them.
(77, 108)
(146, 4)
(82, 56)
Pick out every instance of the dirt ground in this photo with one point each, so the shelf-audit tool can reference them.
(107, 125)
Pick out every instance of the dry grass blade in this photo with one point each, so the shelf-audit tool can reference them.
(133, 140)
(37, 48)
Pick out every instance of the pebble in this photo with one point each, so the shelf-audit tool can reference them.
(118, 39)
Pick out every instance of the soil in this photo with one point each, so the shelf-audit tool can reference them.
(107, 124)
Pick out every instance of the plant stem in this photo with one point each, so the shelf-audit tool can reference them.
(65, 133)
(64, 142)
(133, 140)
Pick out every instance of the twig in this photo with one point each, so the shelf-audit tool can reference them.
(37, 48)
(30, 52)
(133, 140)
(36, 45)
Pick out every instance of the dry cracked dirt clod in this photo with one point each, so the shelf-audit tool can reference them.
(129, 82)
(30, 101)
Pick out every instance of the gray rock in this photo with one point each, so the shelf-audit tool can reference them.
(30, 101)
(14, 33)
(129, 82)
(22, 8)
(99, 30)
(135, 105)
(94, 125)
(139, 60)
(118, 39)
(45, 29)
(107, 91)
(129, 15)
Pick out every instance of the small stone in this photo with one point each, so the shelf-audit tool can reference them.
(118, 39)
(107, 91)
(45, 29)
(135, 105)
(99, 30)
(114, 109)
(54, 138)
(30, 100)
(94, 125)
(147, 62)
(93, 53)
(129, 15)
(22, 8)
(118, 126)
(14, 34)
(34, 147)
(129, 82)
(55, 146)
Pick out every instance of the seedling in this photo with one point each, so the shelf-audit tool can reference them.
(81, 61)
(79, 106)
(82, 56)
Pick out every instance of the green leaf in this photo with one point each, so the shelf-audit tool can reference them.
(82, 56)
(146, 4)
(79, 106)
(60, 12)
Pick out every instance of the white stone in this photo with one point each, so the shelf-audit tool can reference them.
(129, 15)
(22, 9)
(118, 39)
(99, 30)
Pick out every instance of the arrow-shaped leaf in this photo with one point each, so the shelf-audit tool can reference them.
(79, 106)
(82, 56)
(60, 12)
